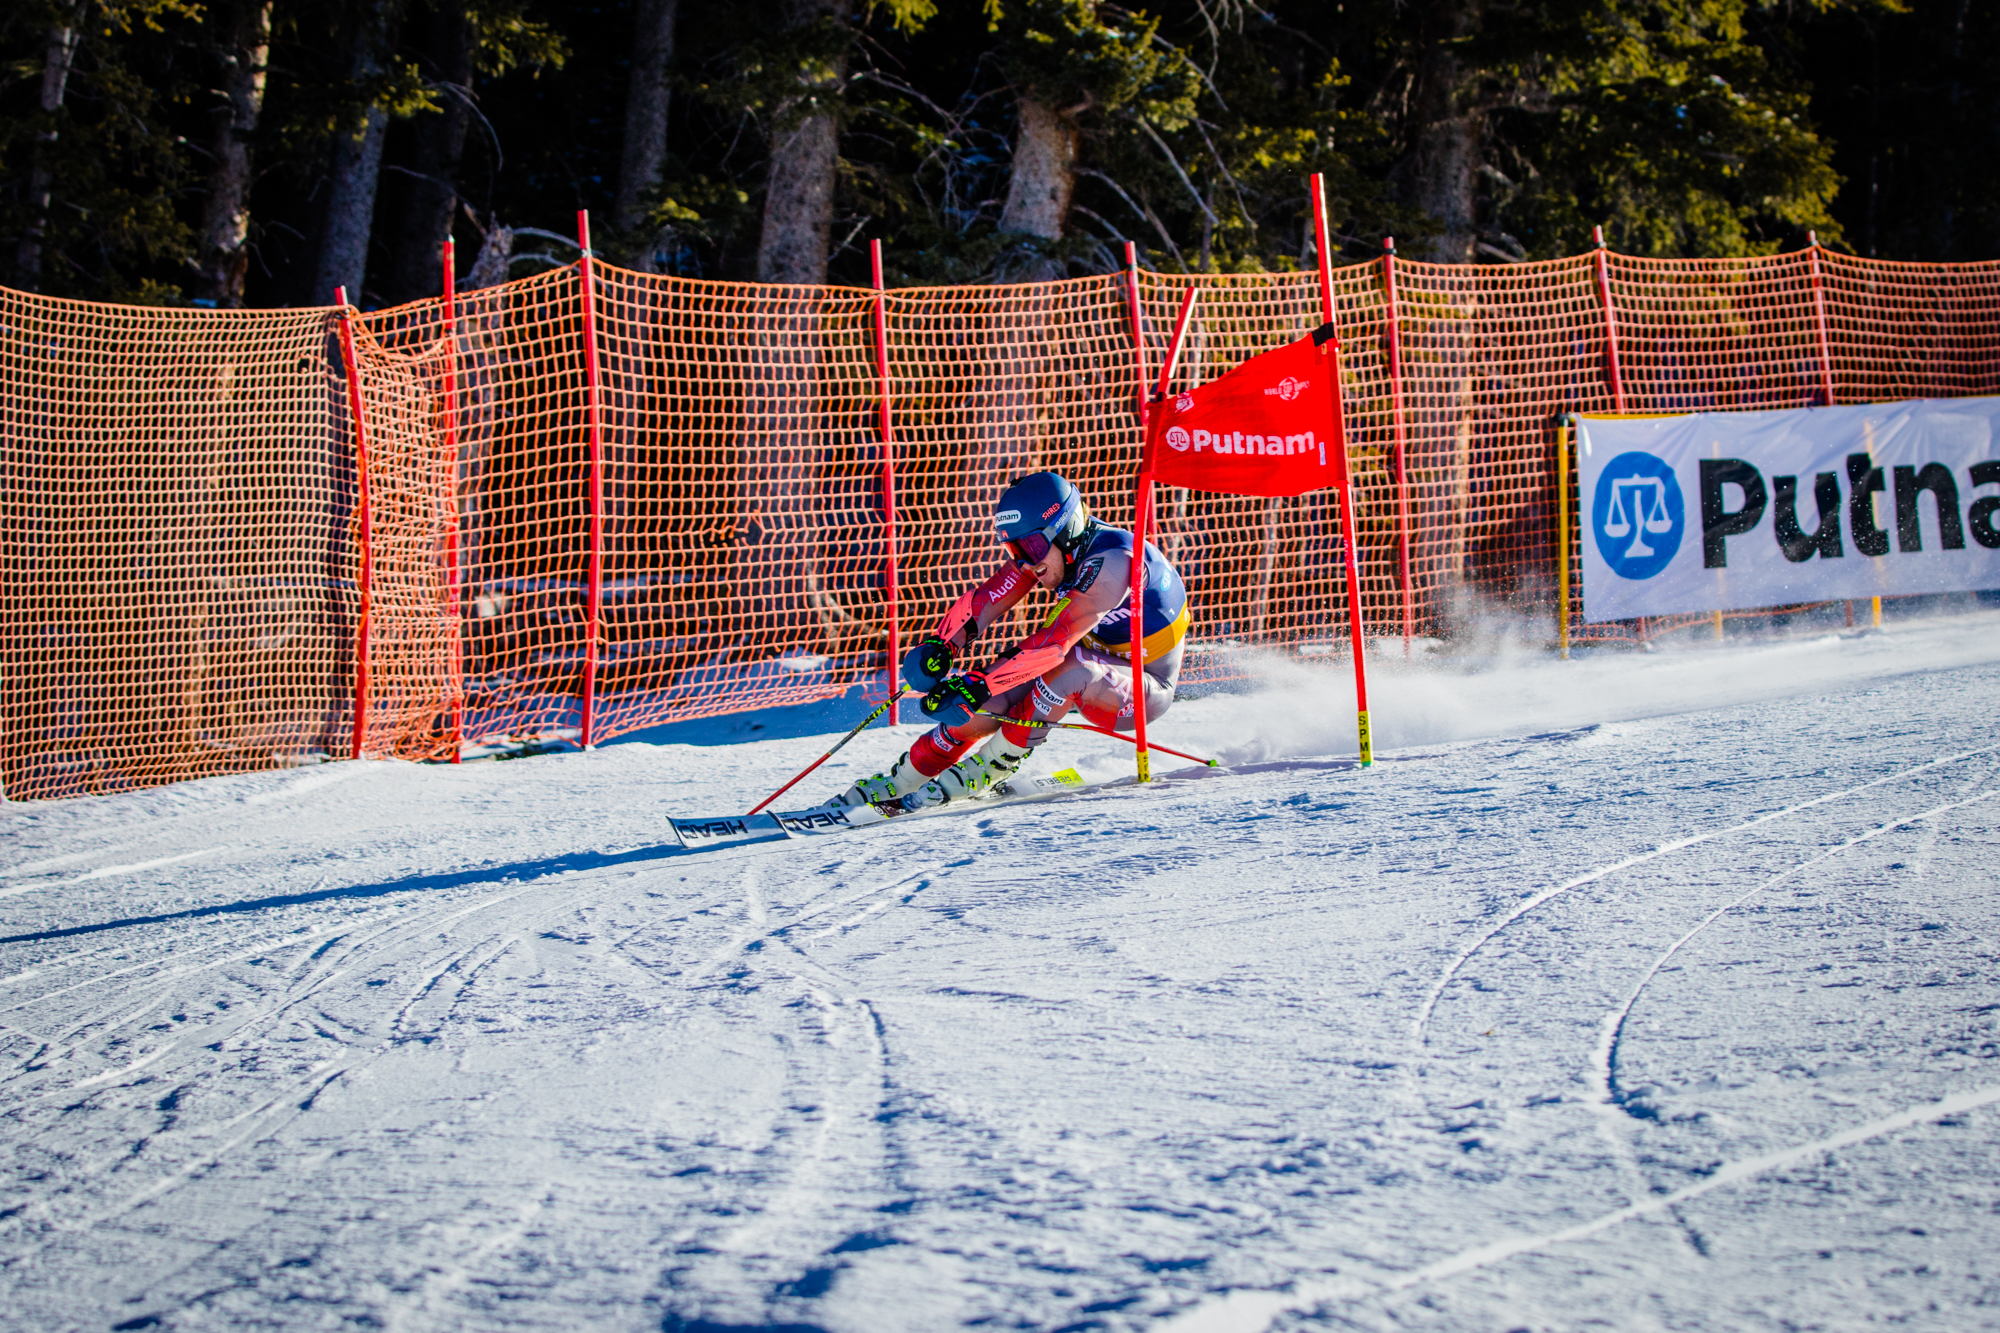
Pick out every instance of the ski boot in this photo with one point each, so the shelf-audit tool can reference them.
(888, 788)
(972, 776)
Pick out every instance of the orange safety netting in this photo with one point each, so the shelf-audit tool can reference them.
(183, 554)
(177, 593)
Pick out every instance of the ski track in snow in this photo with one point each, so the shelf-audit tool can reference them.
(1613, 1026)
(1251, 1312)
(241, 1129)
(441, 1048)
(1536, 900)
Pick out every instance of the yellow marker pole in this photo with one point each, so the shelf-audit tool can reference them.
(1562, 536)
(1878, 611)
(1718, 626)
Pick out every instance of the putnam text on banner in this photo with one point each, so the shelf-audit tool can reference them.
(1265, 428)
(1722, 511)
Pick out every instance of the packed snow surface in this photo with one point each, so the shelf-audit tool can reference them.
(1642, 992)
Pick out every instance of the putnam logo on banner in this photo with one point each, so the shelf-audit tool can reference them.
(1265, 428)
(1723, 511)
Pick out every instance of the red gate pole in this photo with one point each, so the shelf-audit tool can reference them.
(1397, 414)
(454, 599)
(365, 534)
(1344, 480)
(1610, 324)
(1142, 509)
(1138, 329)
(1142, 500)
(594, 612)
(1819, 316)
(888, 467)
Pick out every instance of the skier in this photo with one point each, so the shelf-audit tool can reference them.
(1080, 657)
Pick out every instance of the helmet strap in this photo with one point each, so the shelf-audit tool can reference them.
(1070, 543)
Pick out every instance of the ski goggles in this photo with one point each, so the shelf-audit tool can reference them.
(1031, 549)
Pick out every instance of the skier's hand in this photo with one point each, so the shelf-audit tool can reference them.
(955, 700)
(927, 663)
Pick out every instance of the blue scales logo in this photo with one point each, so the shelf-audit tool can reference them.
(1638, 515)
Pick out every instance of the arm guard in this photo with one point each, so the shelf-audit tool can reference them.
(1044, 649)
(983, 605)
(1101, 586)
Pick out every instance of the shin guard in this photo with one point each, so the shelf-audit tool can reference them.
(938, 749)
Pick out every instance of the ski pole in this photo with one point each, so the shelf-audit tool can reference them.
(1150, 744)
(885, 706)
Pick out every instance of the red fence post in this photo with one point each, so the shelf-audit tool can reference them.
(365, 534)
(1603, 268)
(1397, 415)
(888, 468)
(1610, 324)
(454, 598)
(594, 612)
(1819, 316)
(1355, 634)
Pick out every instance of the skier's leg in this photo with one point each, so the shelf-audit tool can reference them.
(1101, 686)
(934, 753)
(1028, 710)
(970, 774)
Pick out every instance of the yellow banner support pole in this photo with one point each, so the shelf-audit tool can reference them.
(1562, 535)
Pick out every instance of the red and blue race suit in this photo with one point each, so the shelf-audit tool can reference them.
(1082, 654)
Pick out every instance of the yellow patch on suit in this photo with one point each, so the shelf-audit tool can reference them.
(1158, 644)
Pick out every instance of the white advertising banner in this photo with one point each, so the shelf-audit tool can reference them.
(1723, 511)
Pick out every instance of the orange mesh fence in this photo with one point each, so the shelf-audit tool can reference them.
(178, 597)
(184, 557)
(515, 419)
(413, 646)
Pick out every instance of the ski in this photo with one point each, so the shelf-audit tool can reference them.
(705, 834)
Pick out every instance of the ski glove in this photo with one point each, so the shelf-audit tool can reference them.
(956, 699)
(927, 663)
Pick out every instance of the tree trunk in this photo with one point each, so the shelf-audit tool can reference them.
(440, 146)
(1946, 245)
(645, 119)
(490, 268)
(355, 170)
(798, 186)
(1438, 173)
(225, 223)
(58, 53)
(1044, 175)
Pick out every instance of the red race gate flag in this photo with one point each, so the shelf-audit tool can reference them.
(1266, 428)
(1271, 427)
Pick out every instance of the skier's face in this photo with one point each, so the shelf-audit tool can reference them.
(1048, 570)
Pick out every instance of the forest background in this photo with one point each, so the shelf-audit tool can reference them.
(266, 152)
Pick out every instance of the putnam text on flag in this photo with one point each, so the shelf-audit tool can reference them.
(1266, 428)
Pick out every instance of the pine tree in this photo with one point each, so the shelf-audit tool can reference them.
(243, 52)
(93, 166)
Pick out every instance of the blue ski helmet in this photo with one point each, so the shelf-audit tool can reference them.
(1039, 511)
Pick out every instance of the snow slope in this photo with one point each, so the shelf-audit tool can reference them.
(1680, 1009)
